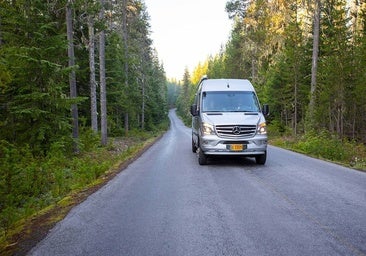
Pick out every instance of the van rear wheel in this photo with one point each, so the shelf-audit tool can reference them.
(261, 159)
(202, 158)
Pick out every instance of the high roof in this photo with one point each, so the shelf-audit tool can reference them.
(226, 85)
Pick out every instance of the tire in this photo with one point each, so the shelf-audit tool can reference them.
(261, 159)
(202, 158)
(194, 147)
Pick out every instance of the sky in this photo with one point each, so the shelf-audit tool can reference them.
(186, 32)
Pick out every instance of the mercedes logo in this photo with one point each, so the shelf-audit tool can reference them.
(236, 130)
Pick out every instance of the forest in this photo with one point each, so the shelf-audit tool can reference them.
(35, 70)
(73, 75)
(307, 61)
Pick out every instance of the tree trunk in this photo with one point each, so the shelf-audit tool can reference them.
(103, 96)
(72, 76)
(295, 105)
(125, 42)
(1, 40)
(126, 123)
(143, 104)
(125, 37)
(93, 83)
(314, 66)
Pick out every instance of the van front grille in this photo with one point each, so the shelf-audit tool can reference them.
(236, 131)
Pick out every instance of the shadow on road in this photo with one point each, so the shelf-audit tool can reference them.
(232, 161)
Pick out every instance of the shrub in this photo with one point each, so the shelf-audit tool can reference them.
(327, 146)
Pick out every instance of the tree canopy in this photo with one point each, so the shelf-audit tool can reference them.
(35, 98)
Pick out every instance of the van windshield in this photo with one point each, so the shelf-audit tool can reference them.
(241, 101)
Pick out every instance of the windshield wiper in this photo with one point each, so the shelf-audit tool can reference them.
(252, 113)
(243, 111)
(213, 112)
(246, 112)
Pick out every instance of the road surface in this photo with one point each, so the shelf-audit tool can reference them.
(165, 203)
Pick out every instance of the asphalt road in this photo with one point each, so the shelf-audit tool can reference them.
(165, 203)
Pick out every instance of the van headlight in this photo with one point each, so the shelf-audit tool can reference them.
(207, 129)
(262, 128)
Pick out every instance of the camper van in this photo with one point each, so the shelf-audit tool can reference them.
(227, 119)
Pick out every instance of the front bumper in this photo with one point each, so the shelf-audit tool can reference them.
(214, 145)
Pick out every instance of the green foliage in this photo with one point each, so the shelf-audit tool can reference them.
(34, 89)
(335, 78)
(23, 182)
(173, 93)
(185, 98)
(326, 146)
(271, 44)
(277, 128)
(29, 184)
(37, 164)
(34, 104)
(137, 86)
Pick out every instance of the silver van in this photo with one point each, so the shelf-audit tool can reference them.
(227, 119)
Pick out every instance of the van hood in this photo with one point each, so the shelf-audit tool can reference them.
(230, 118)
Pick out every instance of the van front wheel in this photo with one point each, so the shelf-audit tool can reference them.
(194, 148)
(202, 158)
(261, 159)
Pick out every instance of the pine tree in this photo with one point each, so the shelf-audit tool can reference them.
(184, 99)
(102, 77)
(92, 76)
(35, 108)
(334, 68)
(72, 76)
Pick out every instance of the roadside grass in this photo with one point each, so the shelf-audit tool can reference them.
(323, 145)
(32, 187)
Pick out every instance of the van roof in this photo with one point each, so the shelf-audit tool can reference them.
(227, 85)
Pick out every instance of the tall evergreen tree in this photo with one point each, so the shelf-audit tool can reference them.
(184, 99)
(72, 76)
(102, 77)
(334, 69)
(92, 76)
(314, 66)
(34, 70)
(35, 110)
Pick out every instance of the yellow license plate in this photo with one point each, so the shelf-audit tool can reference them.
(237, 147)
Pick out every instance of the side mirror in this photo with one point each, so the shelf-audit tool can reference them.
(265, 109)
(194, 111)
